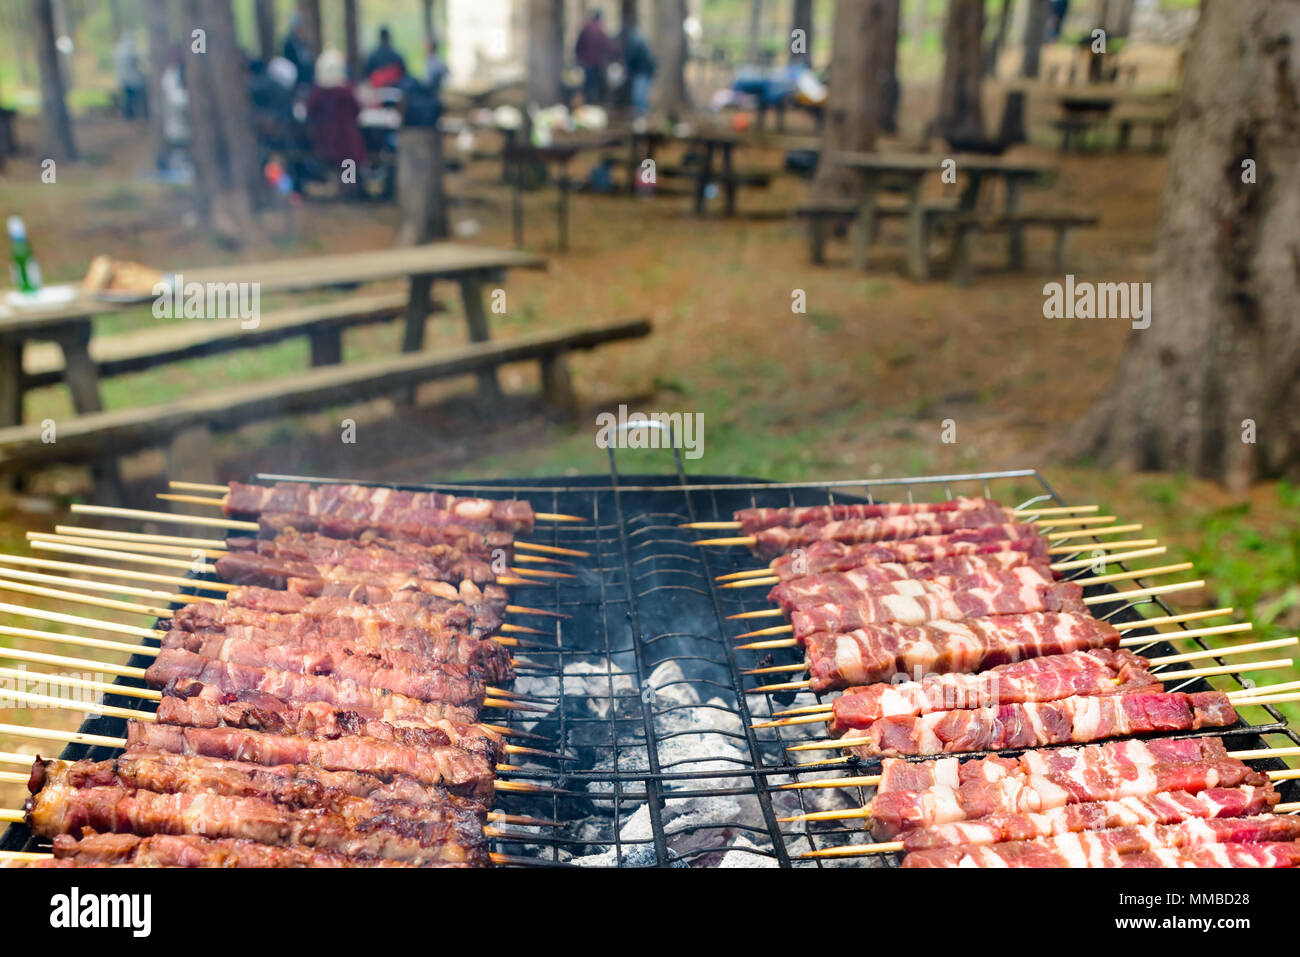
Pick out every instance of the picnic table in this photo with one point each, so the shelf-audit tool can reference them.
(907, 172)
(710, 145)
(69, 324)
(554, 157)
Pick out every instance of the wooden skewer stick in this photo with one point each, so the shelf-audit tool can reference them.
(1085, 532)
(1121, 627)
(114, 626)
(112, 511)
(1053, 522)
(221, 503)
(17, 574)
(1136, 593)
(31, 561)
(1203, 653)
(541, 573)
(1172, 675)
(550, 549)
(62, 661)
(147, 548)
(1053, 510)
(1125, 643)
(1102, 546)
(106, 687)
(96, 601)
(117, 535)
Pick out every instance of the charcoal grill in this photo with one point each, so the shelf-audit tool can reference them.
(665, 769)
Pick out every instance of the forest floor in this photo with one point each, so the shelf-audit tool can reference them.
(861, 385)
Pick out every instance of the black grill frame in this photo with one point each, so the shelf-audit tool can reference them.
(638, 551)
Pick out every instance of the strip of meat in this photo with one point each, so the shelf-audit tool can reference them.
(252, 568)
(216, 644)
(1099, 671)
(59, 809)
(878, 653)
(352, 509)
(367, 551)
(912, 603)
(889, 581)
(299, 785)
(770, 542)
(755, 519)
(1168, 808)
(458, 771)
(196, 705)
(875, 574)
(191, 850)
(1107, 848)
(1076, 720)
(329, 658)
(482, 615)
(445, 645)
(193, 775)
(831, 556)
(174, 663)
(927, 793)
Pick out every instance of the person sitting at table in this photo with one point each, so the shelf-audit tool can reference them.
(384, 66)
(332, 111)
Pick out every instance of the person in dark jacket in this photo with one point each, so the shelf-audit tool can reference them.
(640, 63)
(332, 111)
(594, 51)
(298, 51)
(385, 66)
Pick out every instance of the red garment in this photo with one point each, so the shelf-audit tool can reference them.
(594, 48)
(332, 123)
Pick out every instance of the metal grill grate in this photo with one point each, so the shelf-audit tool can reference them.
(663, 766)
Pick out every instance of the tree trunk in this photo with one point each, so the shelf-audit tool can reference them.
(160, 53)
(1222, 353)
(56, 126)
(426, 16)
(670, 41)
(755, 31)
(999, 39)
(886, 40)
(227, 172)
(801, 18)
(961, 115)
(1035, 30)
(918, 22)
(853, 106)
(264, 15)
(352, 39)
(309, 11)
(421, 200)
(545, 52)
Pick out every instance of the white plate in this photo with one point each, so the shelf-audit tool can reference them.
(47, 297)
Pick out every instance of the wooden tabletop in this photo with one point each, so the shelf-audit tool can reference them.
(296, 275)
(921, 163)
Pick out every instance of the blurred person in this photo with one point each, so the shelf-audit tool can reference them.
(594, 51)
(130, 78)
(422, 101)
(641, 65)
(1056, 19)
(384, 66)
(298, 51)
(436, 71)
(175, 115)
(332, 111)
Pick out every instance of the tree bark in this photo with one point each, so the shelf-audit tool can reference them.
(160, 52)
(352, 38)
(1223, 346)
(264, 15)
(426, 17)
(545, 52)
(56, 126)
(801, 18)
(886, 40)
(854, 107)
(421, 199)
(755, 31)
(1035, 30)
(999, 39)
(227, 173)
(961, 115)
(309, 11)
(670, 41)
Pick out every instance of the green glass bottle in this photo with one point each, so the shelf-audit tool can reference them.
(26, 272)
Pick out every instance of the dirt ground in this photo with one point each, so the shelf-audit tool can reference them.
(861, 385)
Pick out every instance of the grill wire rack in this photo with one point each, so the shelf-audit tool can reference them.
(662, 766)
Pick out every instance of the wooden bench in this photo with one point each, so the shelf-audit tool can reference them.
(186, 423)
(760, 178)
(967, 228)
(155, 346)
(824, 216)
